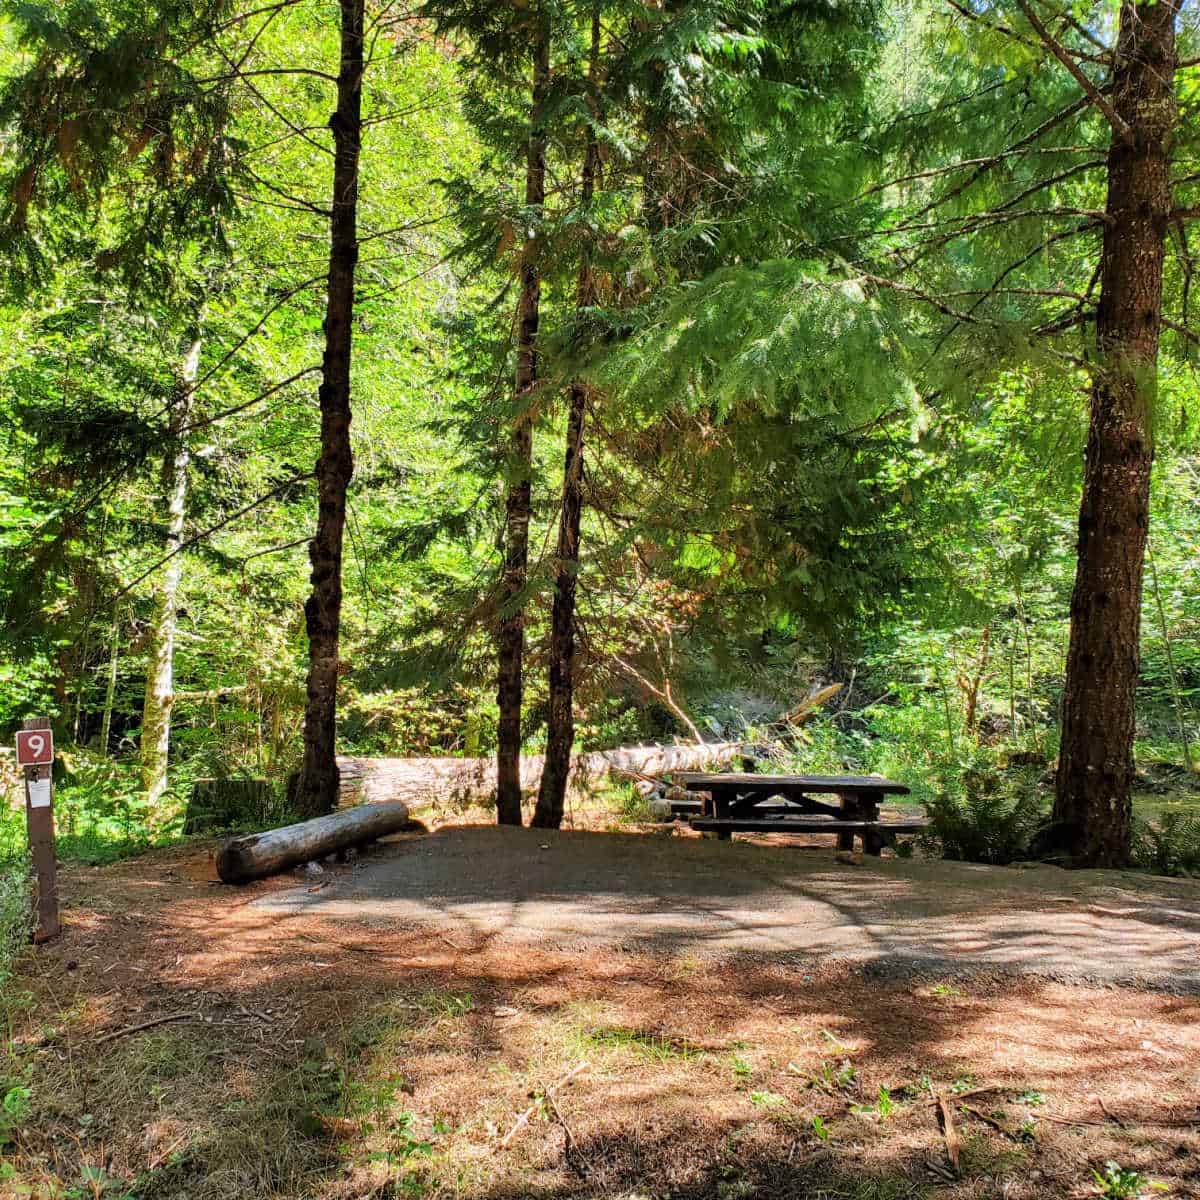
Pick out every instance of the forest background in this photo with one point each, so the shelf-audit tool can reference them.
(833, 366)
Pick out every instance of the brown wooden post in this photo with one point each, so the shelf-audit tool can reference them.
(849, 802)
(39, 819)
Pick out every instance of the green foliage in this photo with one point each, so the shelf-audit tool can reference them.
(1169, 845)
(16, 916)
(15, 1107)
(883, 1107)
(1121, 1183)
(993, 821)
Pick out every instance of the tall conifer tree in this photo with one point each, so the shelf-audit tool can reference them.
(318, 783)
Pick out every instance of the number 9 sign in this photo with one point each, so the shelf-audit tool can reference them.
(35, 747)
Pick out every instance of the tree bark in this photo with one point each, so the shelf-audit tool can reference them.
(318, 788)
(1092, 811)
(560, 731)
(511, 637)
(160, 652)
(110, 690)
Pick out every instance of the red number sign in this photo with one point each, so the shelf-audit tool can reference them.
(35, 747)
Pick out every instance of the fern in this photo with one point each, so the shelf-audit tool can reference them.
(988, 824)
(1170, 847)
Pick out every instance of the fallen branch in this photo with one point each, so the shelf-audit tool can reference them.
(994, 1122)
(1108, 1113)
(532, 1110)
(945, 1116)
(116, 1033)
(808, 704)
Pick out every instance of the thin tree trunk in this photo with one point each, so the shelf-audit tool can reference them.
(160, 651)
(511, 637)
(560, 733)
(1092, 810)
(110, 692)
(317, 792)
(1172, 674)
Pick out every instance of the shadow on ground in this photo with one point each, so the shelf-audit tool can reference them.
(574, 890)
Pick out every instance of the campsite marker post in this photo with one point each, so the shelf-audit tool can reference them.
(35, 752)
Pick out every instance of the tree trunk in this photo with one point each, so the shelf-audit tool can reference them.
(160, 651)
(110, 691)
(318, 788)
(1092, 811)
(511, 639)
(560, 732)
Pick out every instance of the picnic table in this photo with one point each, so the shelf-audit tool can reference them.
(754, 803)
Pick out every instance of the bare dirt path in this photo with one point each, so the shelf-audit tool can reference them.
(662, 893)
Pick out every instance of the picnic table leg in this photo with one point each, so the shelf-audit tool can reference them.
(721, 805)
(849, 813)
(872, 838)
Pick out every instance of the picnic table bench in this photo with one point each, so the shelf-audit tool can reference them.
(753, 803)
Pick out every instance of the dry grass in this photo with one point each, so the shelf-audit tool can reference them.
(386, 1063)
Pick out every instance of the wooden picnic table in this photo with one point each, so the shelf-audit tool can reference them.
(786, 804)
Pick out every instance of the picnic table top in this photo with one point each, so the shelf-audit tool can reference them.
(700, 782)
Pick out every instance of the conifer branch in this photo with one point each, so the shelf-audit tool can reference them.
(205, 533)
(1062, 235)
(1008, 31)
(1063, 55)
(272, 109)
(287, 295)
(299, 203)
(237, 408)
(236, 74)
(1029, 139)
(990, 161)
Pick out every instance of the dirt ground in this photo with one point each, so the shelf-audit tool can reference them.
(692, 895)
(351, 1035)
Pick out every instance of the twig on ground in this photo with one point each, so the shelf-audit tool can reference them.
(572, 1146)
(979, 1091)
(1112, 1116)
(159, 1159)
(994, 1122)
(945, 1115)
(328, 941)
(531, 1111)
(116, 1033)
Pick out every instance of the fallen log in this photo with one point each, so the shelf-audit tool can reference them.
(457, 782)
(257, 855)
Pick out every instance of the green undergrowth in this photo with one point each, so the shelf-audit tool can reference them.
(988, 798)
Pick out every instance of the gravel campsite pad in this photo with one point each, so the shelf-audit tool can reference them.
(663, 893)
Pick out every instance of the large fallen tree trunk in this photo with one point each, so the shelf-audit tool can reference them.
(258, 855)
(464, 781)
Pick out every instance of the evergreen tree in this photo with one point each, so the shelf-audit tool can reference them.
(560, 717)
(317, 791)
(1058, 209)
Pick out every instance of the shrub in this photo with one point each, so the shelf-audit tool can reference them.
(1172, 847)
(15, 912)
(993, 821)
